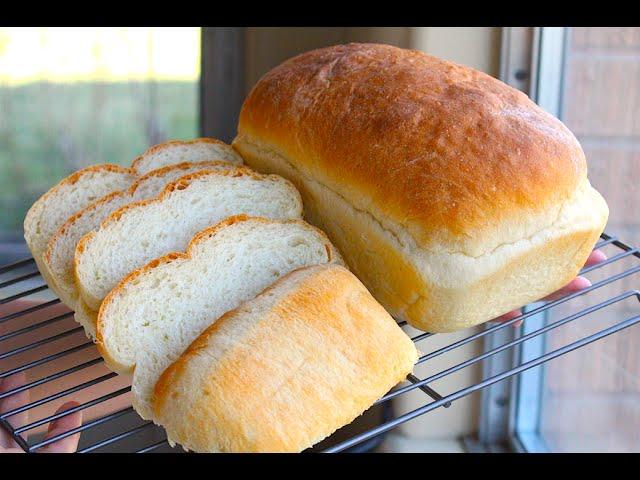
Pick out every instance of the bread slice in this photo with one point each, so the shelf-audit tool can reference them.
(86, 317)
(58, 256)
(176, 151)
(139, 232)
(71, 194)
(153, 315)
(286, 369)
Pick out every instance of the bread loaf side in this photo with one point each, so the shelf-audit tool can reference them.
(451, 195)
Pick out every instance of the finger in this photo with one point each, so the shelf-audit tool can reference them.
(12, 402)
(577, 284)
(11, 450)
(64, 424)
(597, 256)
(510, 316)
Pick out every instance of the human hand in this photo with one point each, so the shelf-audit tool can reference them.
(63, 424)
(578, 283)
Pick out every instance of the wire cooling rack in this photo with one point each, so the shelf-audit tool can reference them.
(46, 359)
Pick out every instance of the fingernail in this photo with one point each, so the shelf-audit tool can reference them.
(585, 281)
(67, 406)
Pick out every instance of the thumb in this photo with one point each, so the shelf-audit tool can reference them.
(61, 425)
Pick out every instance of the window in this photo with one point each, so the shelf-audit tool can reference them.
(589, 400)
(69, 98)
(72, 97)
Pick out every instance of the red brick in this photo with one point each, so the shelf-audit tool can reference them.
(584, 37)
(602, 96)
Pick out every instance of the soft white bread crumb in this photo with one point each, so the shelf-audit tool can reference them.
(58, 256)
(142, 231)
(149, 319)
(71, 194)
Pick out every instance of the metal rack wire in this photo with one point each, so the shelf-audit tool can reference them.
(39, 339)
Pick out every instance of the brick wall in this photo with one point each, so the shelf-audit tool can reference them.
(593, 395)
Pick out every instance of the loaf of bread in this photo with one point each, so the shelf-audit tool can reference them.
(176, 151)
(59, 254)
(70, 195)
(142, 231)
(451, 195)
(153, 315)
(286, 369)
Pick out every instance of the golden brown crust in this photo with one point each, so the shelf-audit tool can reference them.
(172, 256)
(435, 146)
(159, 172)
(237, 171)
(109, 167)
(439, 184)
(162, 146)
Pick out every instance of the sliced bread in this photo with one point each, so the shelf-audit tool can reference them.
(70, 195)
(151, 317)
(141, 231)
(86, 317)
(286, 369)
(176, 151)
(58, 256)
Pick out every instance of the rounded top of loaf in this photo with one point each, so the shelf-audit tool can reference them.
(449, 153)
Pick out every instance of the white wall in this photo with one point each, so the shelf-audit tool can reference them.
(266, 47)
(477, 47)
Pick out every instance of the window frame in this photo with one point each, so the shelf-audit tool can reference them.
(222, 80)
(528, 402)
(532, 60)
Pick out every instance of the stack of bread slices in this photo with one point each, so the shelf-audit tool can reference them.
(242, 327)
